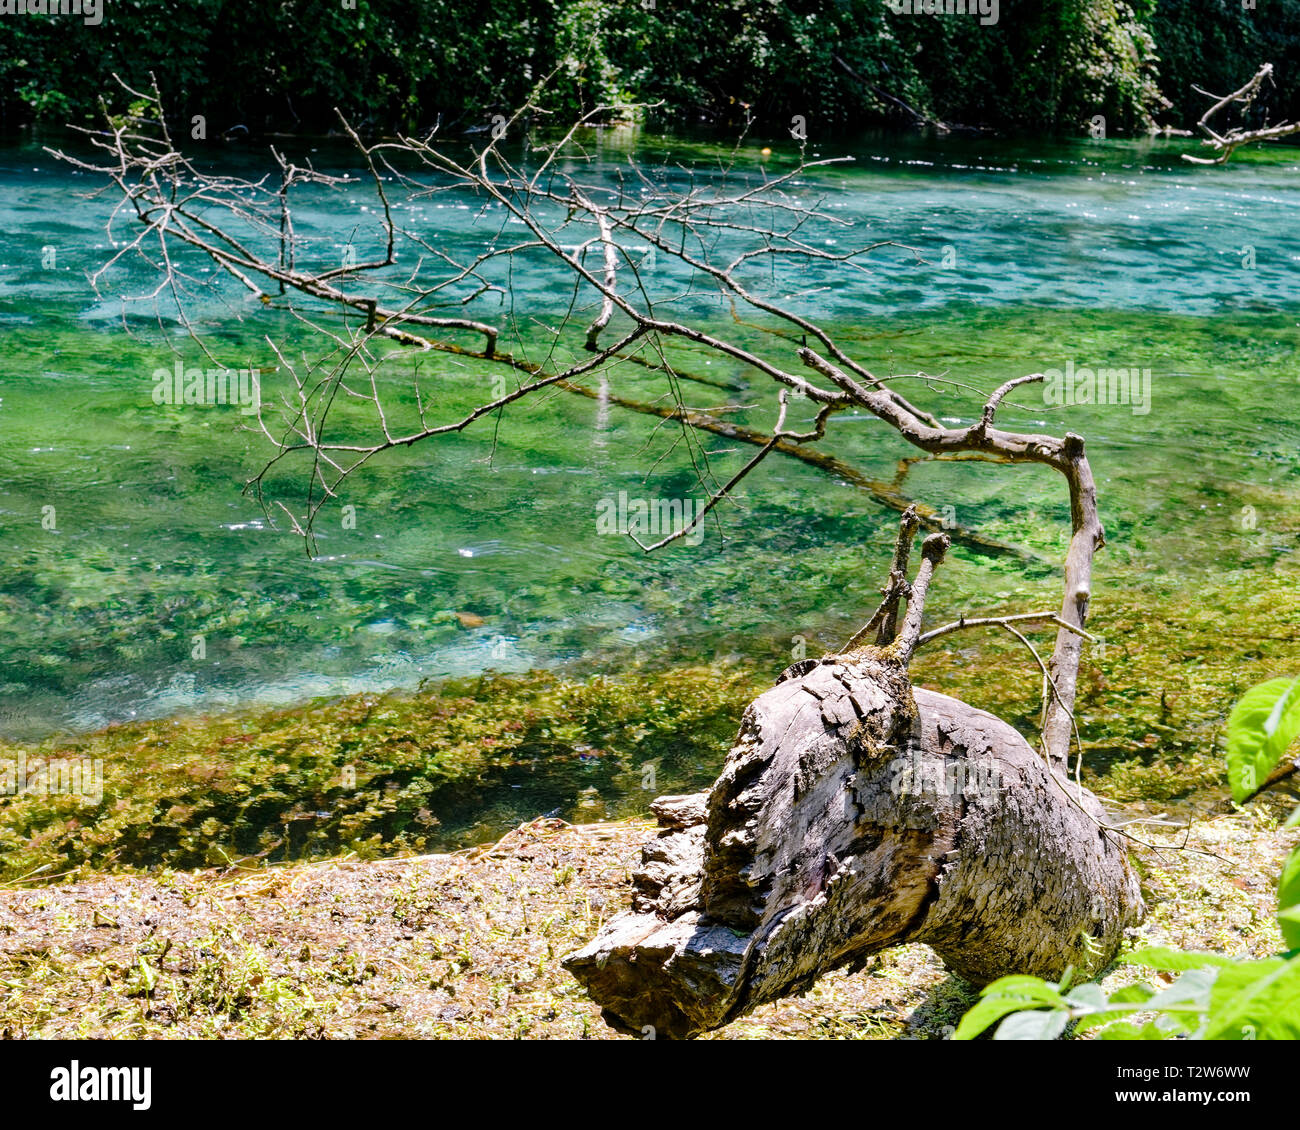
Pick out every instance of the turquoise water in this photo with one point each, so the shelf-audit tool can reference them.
(480, 551)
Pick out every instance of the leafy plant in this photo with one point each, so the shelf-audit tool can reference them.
(1212, 997)
(386, 62)
(1263, 723)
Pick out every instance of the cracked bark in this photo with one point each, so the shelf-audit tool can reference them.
(815, 851)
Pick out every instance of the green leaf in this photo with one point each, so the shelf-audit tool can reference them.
(1026, 988)
(1091, 997)
(1126, 1031)
(1037, 1025)
(1293, 820)
(1289, 920)
(1183, 1006)
(1006, 995)
(1115, 1008)
(1288, 900)
(1256, 1000)
(1193, 987)
(1263, 723)
(1171, 960)
(1132, 994)
(986, 1012)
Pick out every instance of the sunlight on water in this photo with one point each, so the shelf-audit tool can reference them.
(479, 553)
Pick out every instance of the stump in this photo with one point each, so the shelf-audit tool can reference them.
(855, 813)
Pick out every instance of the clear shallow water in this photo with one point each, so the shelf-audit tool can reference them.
(480, 553)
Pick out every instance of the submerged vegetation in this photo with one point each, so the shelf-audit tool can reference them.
(444, 768)
(369, 774)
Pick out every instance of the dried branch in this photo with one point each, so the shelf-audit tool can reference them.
(722, 233)
(1226, 143)
(932, 553)
(1002, 621)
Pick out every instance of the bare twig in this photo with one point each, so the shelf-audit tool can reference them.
(1003, 621)
(418, 295)
(1228, 142)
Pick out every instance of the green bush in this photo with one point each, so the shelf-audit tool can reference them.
(1217, 45)
(1046, 64)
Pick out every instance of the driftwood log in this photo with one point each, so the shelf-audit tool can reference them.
(855, 813)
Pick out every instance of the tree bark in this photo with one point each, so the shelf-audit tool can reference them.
(854, 814)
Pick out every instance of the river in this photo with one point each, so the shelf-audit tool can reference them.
(137, 581)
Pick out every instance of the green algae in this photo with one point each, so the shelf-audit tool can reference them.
(462, 761)
(376, 775)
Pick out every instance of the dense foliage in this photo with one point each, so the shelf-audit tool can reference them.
(1044, 64)
(1218, 44)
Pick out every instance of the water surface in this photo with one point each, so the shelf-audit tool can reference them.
(481, 553)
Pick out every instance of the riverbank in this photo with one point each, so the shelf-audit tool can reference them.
(291, 873)
(460, 762)
(469, 944)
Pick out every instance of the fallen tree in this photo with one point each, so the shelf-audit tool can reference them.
(855, 813)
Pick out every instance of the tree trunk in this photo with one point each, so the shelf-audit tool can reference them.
(854, 814)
